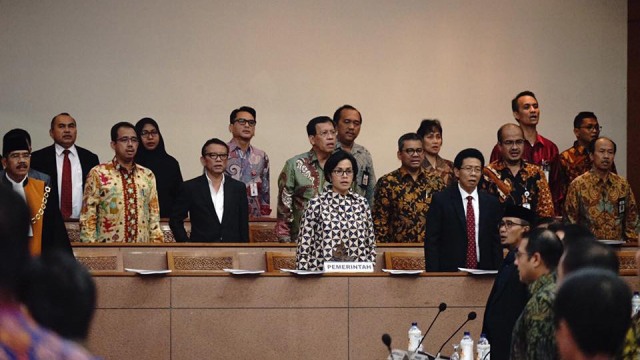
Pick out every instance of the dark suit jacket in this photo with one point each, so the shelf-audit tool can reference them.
(194, 198)
(44, 160)
(445, 243)
(505, 304)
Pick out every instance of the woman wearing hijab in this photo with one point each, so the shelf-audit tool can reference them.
(165, 167)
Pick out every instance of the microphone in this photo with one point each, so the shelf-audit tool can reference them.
(386, 339)
(471, 316)
(441, 308)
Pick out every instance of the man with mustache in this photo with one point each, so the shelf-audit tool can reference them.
(515, 181)
(120, 199)
(46, 231)
(601, 200)
(66, 163)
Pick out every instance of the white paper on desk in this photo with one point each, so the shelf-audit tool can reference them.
(303, 272)
(403, 272)
(478, 271)
(243, 272)
(147, 272)
(612, 242)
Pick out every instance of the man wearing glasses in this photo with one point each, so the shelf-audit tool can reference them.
(247, 163)
(46, 230)
(515, 181)
(575, 161)
(402, 197)
(66, 163)
(120, 199)
(302, 177)
(462, 222)
(508, 295)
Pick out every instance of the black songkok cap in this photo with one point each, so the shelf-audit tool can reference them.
(520, 213)
(15, 140)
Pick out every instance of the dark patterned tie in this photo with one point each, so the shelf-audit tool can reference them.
(472, 258)
(65, 191)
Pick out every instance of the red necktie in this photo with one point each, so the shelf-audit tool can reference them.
(472, 258)
(65, 192)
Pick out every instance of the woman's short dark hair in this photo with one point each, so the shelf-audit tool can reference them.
(333, 161)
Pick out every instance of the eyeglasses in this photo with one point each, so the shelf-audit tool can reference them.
(354, 122)
(214, 156)
(18, 156)
(148, 134)
(251, 123)
(510, 143)
(326, 133)
(592, 127)
(340, 172)
(472, 169)
(126, 140)
(411, 151)
(508, 224)
(521, 254)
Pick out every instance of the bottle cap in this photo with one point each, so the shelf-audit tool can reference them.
(414, 324)
(466, 333)
(483, 335)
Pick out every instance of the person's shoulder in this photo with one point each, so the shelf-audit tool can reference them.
(85, 152)
(233, 183)
(390, 177)
(547, 142)
(198, 180)
(47, 150)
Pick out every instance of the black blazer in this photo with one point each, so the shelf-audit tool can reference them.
(44, 160)
(445, 243)
(194, 198)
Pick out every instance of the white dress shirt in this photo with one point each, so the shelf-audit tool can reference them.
(19, 188)
(217, 197)
(76, 178)
(476, 212)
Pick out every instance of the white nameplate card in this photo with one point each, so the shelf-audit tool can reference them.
(347, 267)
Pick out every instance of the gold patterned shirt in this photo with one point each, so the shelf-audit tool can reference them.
(401, 204)
(606, 206)
(443, 169)
(120, 205)
(528, 188)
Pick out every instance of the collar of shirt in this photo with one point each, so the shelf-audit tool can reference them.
(597, 180)
(404, 173)
(465, 194)
(233, 146)
(501, 165)
(355, 148)
(211, 181)
(328, 189)
(542, 281)
(59, 149)
(580, 149)
(123, 169)
(313, 157)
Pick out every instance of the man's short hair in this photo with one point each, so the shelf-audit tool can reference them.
(592, 144)
(337, 113)
(589, 253)
(595, 304)
(60, 295)
(576, 233)
(504, 126)
(407, 137)
(116, 127)
(311, 126)
(577, 121)
(53, 120)
(514, 101)
(235, 112)
(427, 126)
(546, 243)
(216, 141)
(14, 248)
(333, 161)
(465, 154)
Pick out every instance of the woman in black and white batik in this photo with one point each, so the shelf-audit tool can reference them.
(337, 223)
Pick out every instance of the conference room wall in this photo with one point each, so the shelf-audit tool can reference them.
(189, 63)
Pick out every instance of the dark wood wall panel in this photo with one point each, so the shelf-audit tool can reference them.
(633, 96)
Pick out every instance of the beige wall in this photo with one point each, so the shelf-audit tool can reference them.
(189, 63)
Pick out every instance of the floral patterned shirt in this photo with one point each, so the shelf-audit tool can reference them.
(252, 168)
(529, 188)
(607, 207)
(366, 181)
(401, 204)
(120, 205)
(444, 169)
(331, 220)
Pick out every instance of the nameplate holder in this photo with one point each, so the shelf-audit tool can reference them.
(348, 267)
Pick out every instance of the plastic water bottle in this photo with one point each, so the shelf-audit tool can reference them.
(483, 348)
(415, 335)
(466, 347)
(635, 303)
(455, 355)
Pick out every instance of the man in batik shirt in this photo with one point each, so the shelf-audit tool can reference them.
(348, 121)
(120, 199)
(575, 161)
(302, 178)
(431, 133)
(534, 332)
(247, 163)
(515, 181)
(601, 200)
(403, 196)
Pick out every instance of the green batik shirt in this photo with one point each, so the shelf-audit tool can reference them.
(631, 348)
(533, 335)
